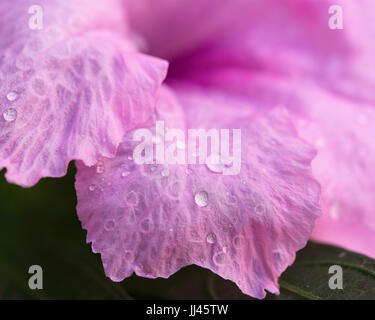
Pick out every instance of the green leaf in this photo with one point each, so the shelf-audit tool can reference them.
(39, 226)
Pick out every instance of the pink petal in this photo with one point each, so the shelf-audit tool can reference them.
(70, 90)
(340, 127)
(293, 40)
(146, 219)
(172, 27)
(343, 133)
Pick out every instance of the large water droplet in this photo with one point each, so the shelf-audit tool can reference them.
(10, 115)
(211, 238)
(201, 198)
(11, 96)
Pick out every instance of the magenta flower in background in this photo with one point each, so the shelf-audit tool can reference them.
(301, 93)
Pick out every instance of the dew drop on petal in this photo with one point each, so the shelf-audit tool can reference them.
(92, 187)
(132, 198)
(201, 198)
(109, 225)
(219, 258)
(10, 115)
(11, 96)
(100, 168)
(211, 238)
(125, 174)
(129, 256)
(238, 241)
(259, 209)
(214, 164)
(165, 172)
(230, 199)
(146, 225)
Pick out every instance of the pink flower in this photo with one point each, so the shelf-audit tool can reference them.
(301, 94)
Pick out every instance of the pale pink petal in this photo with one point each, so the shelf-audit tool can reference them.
(69, 90)
(341, 129)
(155, 219)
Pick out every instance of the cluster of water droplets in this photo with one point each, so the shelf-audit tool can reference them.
(11, 114)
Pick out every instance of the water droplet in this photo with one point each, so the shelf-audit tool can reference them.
(130, 158)
(146, 225)
(238, 241)
(10, 115)
(92, 187)
(259, 209)
(132, 198)
(129, 256)
(219, 258)
(11, 96)
(211, 238)
(109, 225)
(201, 198)
(225, 249)
(214, 164)
(230, 199)
(165, 172)
(174, 190)
(125, 174)
(100, 168)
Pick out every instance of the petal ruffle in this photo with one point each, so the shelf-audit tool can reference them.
(155, 219)
(69, 90)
